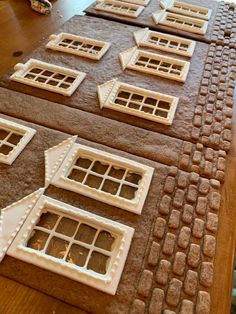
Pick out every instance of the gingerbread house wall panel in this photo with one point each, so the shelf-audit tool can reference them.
(145, 19)
(109, 67)
(208, 162)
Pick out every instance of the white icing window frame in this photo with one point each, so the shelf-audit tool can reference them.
(107, 283)
(55, 40)
(26, 133)
(138, 8)
(138, 2)
(108, 92)
(60, 161)
(142, 39)
(129, 57)
(172, 6)
(22, 69)
(160, 17)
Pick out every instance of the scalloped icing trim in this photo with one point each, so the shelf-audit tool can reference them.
(54, 157)
(12, 218)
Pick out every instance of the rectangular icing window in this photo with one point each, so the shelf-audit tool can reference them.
(106, 177)
(138, 102)
(155, 64)
(77, 45)
(182, 22)
(160, 41)
(74, 243)
(186, 9)
(119, 7)
(13, 139)
(48, 76)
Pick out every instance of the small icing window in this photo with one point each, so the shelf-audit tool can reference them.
(182, 22)
(80, 46)
(75, 243)
(48, 76)
(160, 41)
(136, 101)
(155, 64)
(109, 178)
(186, 9)
(119, 7)
(13, 139)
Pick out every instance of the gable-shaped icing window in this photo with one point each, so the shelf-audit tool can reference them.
(13, 139)
(155, 64)
(186, 9)
(48, 76)
(74, 243)
(106, 177)
(182, 22)
(80, 46)
(138, 102)
(160, 41)
(119, 7)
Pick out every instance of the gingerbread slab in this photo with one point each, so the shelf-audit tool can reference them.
(208, 162)
(163, 269)
(218, 25)
(204, 59)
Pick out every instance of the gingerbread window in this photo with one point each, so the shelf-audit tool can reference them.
(74, 243)
(165, 42)
(119, 7)
(48, 76)
(155, 64)
(97, 174)
(182, 22)
(80, 46)
(138, 102)
(186, 9)
(13, 139)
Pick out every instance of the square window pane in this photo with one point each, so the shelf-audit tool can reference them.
(99, 167)
(5, 149)
(77, 255)
(105, 240)
(85, 234)
(14, 138)
(128, 192)
(57, 247)
(48, 220)
(3, 134)
(77, 175)
(133, 177)
(93, 181)
(83, 162)
(110, 186)
(67, 226)
(116, 173)
(98, 263)
(37, 240)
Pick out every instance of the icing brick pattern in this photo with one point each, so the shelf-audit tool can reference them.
(224, 32)
(212, 120)
(178, 269)
(206, 161)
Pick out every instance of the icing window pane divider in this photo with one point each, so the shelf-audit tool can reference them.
(165, 42)
(119, 7)
(48, 76)
(103, 176)
(13, 139)
(186, 9)
(78, 45)
(182, 22)
(155, 64)
(137, 101)
(74, 243)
